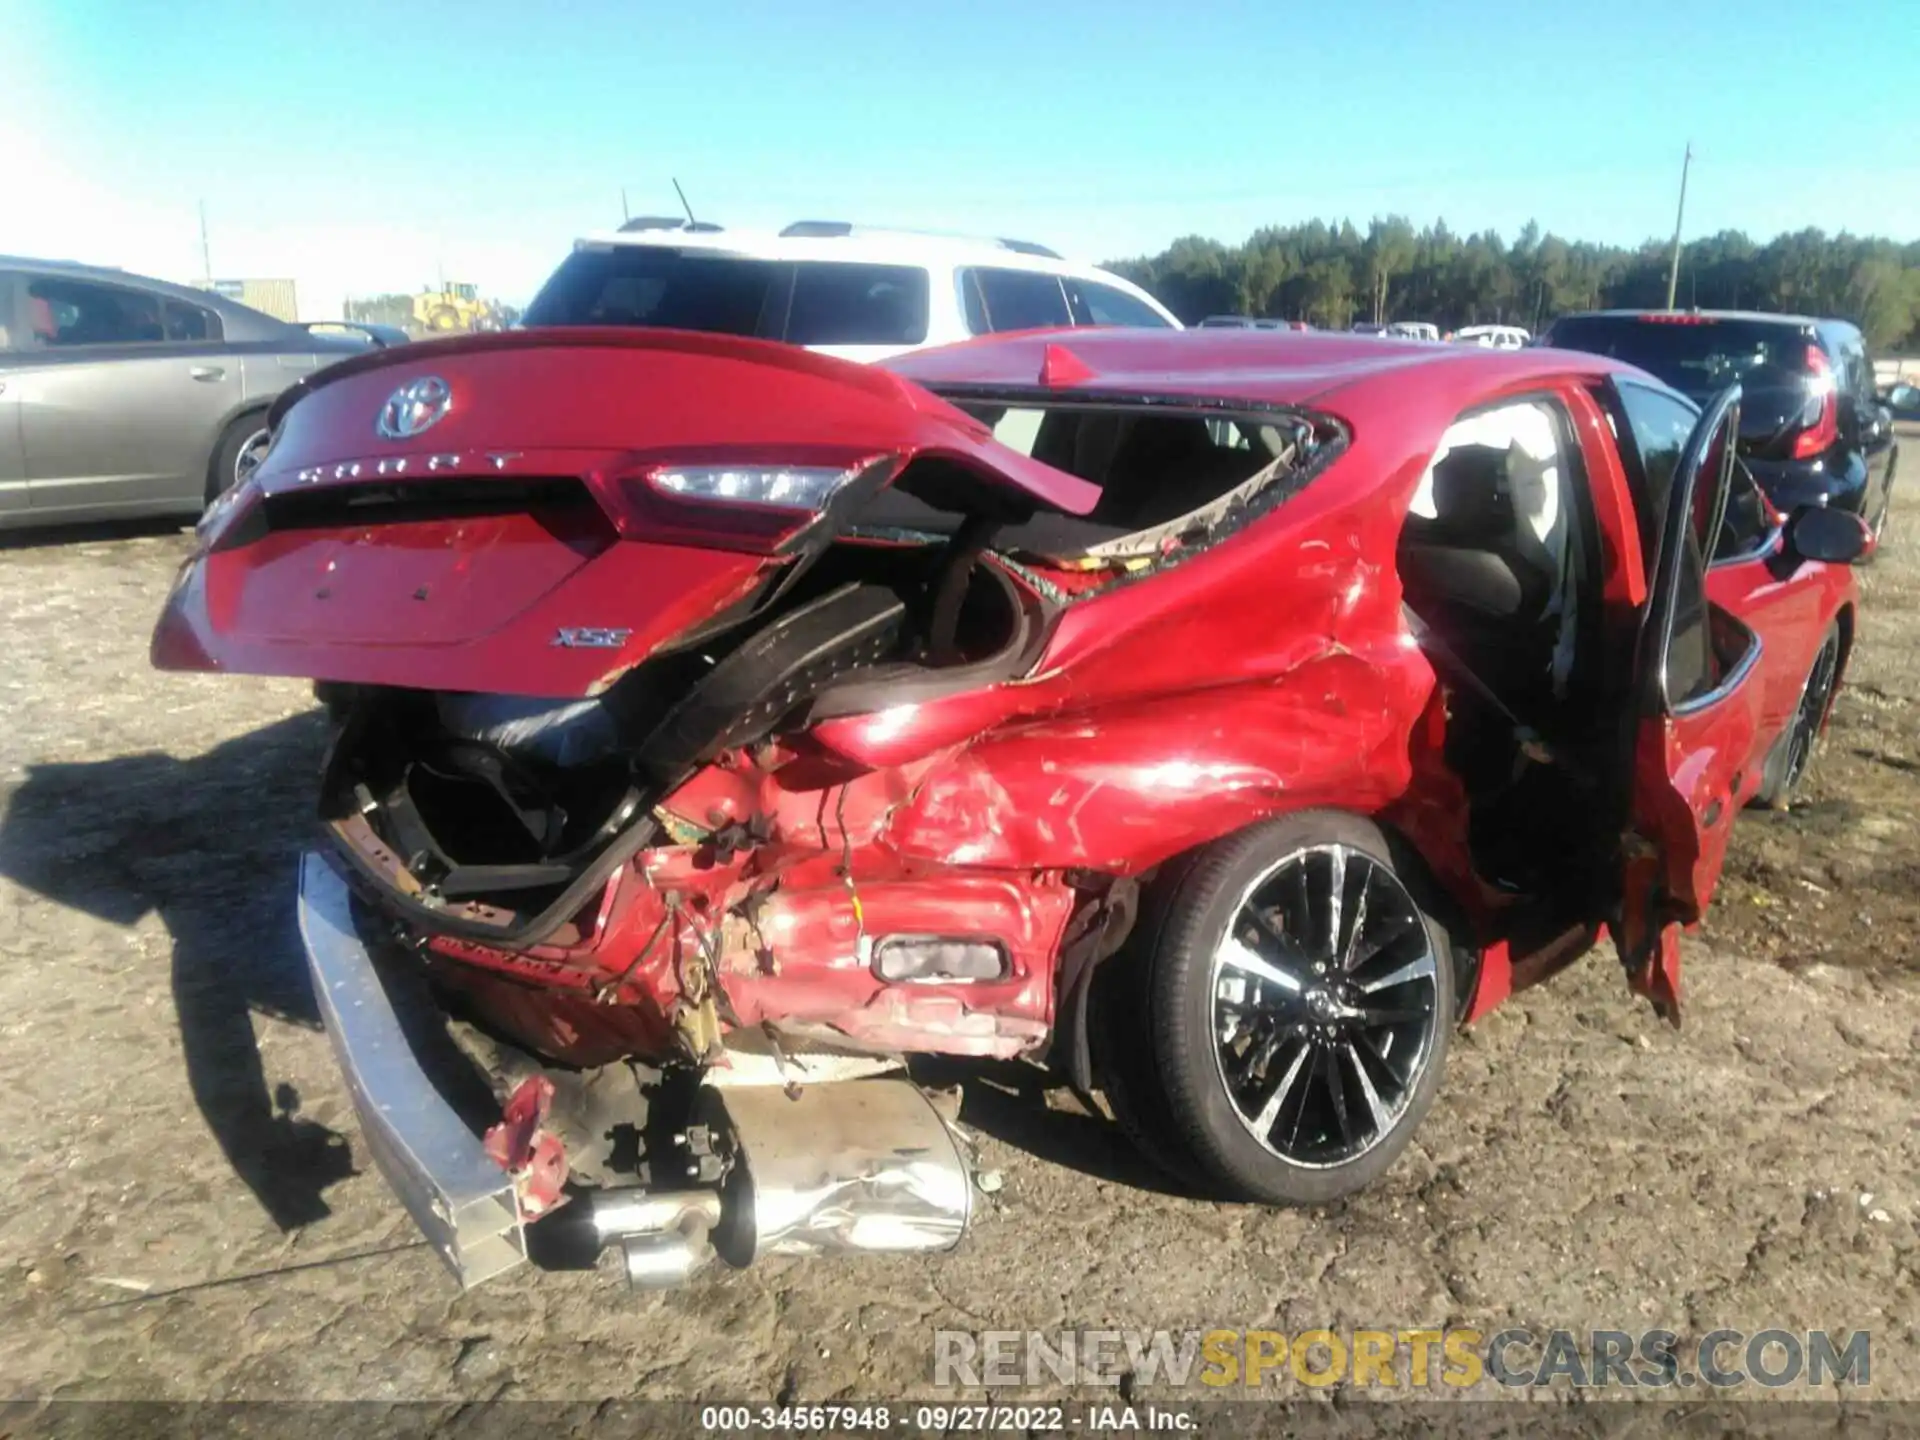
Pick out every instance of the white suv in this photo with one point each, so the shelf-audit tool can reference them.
(1492, 337)
(840, 289)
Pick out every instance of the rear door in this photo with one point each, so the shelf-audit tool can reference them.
(122, 393)
(1696, 719)
(1091, 303)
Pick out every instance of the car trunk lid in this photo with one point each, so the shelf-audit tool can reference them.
(494, 512)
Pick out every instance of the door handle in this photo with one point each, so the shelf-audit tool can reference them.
(207, 372)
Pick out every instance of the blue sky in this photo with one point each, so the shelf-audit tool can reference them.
(362, 146)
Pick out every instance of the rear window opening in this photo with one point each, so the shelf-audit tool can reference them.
(1169, 480)
(807, 302)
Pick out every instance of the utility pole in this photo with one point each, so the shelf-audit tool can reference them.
(206, 254)
(1673, 270)
(625, 213)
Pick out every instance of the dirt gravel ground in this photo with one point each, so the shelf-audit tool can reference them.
(189, 1212)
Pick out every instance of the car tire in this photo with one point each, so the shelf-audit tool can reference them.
(1791, 754)
(1233, 1062)
(244, 438)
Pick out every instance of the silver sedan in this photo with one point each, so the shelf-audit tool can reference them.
(123, 397)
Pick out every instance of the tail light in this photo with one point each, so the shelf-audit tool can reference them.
(1821, 435)
(780, 487)
(752, 502)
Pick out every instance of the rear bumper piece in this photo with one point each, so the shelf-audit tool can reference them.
(463, 1202)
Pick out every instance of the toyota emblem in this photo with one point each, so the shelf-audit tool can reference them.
(415, 407)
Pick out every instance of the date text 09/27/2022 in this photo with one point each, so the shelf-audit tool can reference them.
(943, 1419)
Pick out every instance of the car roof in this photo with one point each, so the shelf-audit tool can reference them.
(827, 240)
(231, 312)
(831, 241)
(1395, 399)
(1362, 380)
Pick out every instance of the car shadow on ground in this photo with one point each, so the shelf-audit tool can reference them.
(1027, 1108)
(211, 845)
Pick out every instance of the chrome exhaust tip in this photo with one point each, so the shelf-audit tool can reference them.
(660, 1262)
(660, 1238)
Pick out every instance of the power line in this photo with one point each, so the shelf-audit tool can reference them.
(1673, 270)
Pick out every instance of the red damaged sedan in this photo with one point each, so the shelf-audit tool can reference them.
(1216, 717)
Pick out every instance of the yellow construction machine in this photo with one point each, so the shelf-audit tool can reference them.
(453, 307)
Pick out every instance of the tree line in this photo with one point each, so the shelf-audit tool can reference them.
(1334, 275)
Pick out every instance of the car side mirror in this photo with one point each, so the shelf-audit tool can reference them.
(1836, 537)
(1856, 419)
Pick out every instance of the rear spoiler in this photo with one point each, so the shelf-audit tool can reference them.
(879, 383)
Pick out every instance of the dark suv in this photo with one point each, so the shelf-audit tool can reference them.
(1812, 431)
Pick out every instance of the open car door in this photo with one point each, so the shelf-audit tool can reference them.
(1694, 723)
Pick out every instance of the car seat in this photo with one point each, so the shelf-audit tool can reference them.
(1478, 574)
(41, 321)
(1164, 467)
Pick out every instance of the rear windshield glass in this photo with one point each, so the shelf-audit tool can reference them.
(1697, 355)
(635, 285)
(828, 303)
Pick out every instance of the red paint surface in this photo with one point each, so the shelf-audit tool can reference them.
(1271, 673)
(476, 604)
